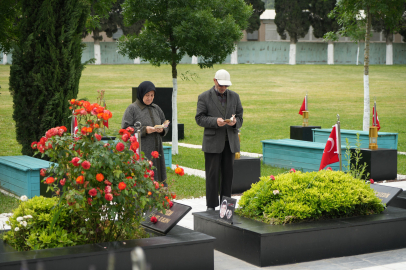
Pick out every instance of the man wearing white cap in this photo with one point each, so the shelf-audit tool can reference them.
(219, 111)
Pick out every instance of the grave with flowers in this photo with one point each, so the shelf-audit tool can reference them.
(297, 217)
(102, 192)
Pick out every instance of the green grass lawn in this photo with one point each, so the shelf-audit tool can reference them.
(8, 203)
(270, 94)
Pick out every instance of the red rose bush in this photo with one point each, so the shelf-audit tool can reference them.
(106, 184)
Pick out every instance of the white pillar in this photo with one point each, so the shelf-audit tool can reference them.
(137, 61)
(97, 54)
(4, 59)
(389, 54)
(292, 54)
(330, 53)
(234, 56)
(194, 60)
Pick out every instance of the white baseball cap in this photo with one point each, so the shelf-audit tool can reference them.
(223, 77)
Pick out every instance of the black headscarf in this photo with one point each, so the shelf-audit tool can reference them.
(144, 88)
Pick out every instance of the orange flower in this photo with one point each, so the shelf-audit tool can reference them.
(80, 179)
(96, 126)
(72, 101)
(86, 104)
(149, 193)
(49, 180)
(122, 186)
(173, 195)
(99, 177)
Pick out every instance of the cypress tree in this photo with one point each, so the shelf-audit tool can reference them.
(254, 21)
(319, 19)
(46, 66)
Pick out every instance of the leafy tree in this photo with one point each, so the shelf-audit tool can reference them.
(402, 29)
(46, 66)
(107, 18)
(322, 23)
(173, 28)
(9, 11)
(292, 16)
(319, 19)
(348, 13)
(258, 8)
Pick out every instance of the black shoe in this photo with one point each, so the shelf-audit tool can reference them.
(210, 209)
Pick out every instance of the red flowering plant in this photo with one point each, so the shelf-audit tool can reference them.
(106, 184)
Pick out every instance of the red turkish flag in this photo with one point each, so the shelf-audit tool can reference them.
(330, 153)
(106, 123)
(303, 108)
(377, 119)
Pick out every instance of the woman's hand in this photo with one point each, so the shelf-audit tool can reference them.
(150, 129)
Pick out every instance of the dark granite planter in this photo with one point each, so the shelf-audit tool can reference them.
(181, 248)
(264, 245)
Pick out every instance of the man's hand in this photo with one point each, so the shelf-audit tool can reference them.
(232, 123)
(220, 122)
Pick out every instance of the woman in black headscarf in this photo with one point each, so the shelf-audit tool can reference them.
(149, 115)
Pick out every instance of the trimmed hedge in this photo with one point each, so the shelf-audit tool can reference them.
(298, 196)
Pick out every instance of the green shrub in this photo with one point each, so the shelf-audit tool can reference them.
(30, 226)
(304, 196)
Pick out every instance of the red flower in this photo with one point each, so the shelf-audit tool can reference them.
(107, 182)
(75, 161)
(64, 128)
(93, 192)
(151, 173)
(42, 172)
(86, 165)
(156, 184)
(99, 177)
(49, 180)
(122, 131)
(134, 146)
(371, 180)
(173, 195)
(108, 197)
(98, 137)
(133, 139)
(34, 145)
(329, 169)
(125, 137)
(80, 179)
(292, 170)
(130, 130)
(170, 204)
(179, 170)
(153, 219)
(122, 186)
(155, 154)
(62, 181)
(120, 147)
(272, 177)
(107, 189)
(72, 101)
(149, 193)
(89, 201)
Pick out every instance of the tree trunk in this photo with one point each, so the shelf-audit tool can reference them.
(389, 49)
(330, 53)
(292, 52)
(234, 56)
(194, 60)
(174, 106)
(366, 72)
(97, 54)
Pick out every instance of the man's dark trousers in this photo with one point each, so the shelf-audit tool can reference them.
(219, 167)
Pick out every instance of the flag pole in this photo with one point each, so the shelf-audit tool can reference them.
(339, 141)
(374, 119)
